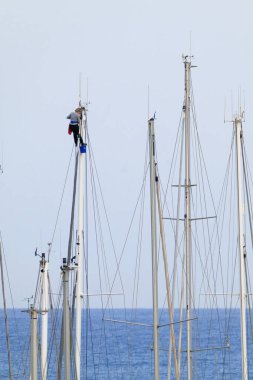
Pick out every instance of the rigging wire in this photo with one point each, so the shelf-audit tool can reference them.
(140, 197)
(200, 171)
(140, 236)
(55, 313)
(60, 204)
(247, 174)
(107, 219)
(99, 266)
(13, 309)
(94, 178)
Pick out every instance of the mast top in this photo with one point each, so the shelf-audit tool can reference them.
(236, 118)
(187, 58)
(152, 118)
(240, 117)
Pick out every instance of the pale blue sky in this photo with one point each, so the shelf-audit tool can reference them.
(121, 47)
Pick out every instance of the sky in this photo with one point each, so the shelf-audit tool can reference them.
(122, 48)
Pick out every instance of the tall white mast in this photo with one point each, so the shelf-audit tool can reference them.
(44, 315)
(154, 247)
(34, 345)
(167, 282)
(187, 221)
(243, 295)
(80, 242)
(66, 320)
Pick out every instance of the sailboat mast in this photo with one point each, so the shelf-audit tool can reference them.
(154, 247)
(44, 316)
(187, 221)
(80, 257)
(34, 349)
(66, 320)
(243, 295)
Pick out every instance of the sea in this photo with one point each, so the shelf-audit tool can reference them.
(114, 349)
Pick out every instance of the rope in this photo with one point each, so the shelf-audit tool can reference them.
(13, 309)
(60, 204)
(100, 242)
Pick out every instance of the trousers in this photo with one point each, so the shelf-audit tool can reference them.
(75, 129)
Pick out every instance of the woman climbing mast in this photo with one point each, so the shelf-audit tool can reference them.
(75, 123)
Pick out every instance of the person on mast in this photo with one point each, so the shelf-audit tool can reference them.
(74, 125)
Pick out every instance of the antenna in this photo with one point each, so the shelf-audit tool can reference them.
(225, 108)
(240, 108)
(244, 106)
(80, 87)
(87, 95)
(2, 163)
(148, 101)
(49, 249)
(239, 101)
(232, 110)
(81, 104)
(28, 301)
(190, 43)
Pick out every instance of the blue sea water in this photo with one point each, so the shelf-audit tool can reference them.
(120, 351)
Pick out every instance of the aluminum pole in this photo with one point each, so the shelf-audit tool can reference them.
(167, 281)
(34, 348)
(188, 216)
(66, 321)
(243, 295)
(154, 247)
(44, 316)
(80, 257)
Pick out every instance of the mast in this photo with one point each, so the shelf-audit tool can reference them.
(187, 218)
(238, 132)
(34, 350)
(154, 247)
(65, 267)
(80, 244)
(66, 320)
(166, 272)
(44, 315)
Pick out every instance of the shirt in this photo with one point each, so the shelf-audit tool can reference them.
(74, 118)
